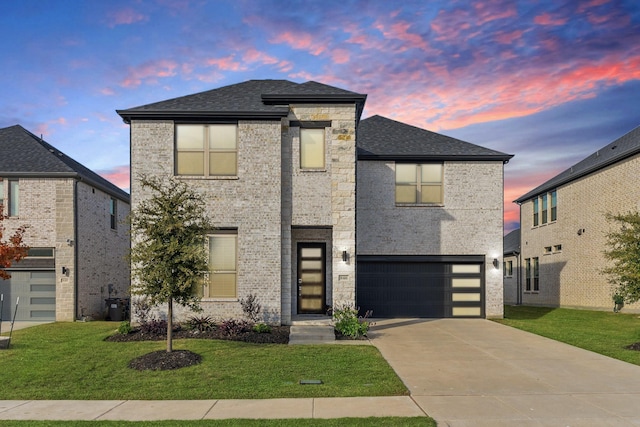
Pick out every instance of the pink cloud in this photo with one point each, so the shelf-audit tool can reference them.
(149, 72)
(107, 91)
(118, 175)
(253, 55)
(400, 31)
(492, 10)
(548, 20)
(510, 37)
(126, 16)
(591, 4)
(227, 64)
(340, 56)
(301, 41)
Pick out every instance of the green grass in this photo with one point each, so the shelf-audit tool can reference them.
(602, 332)
(72, 361)
(338, 422)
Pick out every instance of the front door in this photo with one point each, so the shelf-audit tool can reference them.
(311, 278)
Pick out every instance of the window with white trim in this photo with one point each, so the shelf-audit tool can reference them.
(223, 259)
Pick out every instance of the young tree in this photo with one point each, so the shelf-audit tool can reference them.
(11, 250)
(168, 253)
(623, 249)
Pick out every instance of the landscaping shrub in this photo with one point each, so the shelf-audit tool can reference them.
(348, 324)
(125, 328)
(201, 323)
(251, 308)
(262, 328)
(154, 327)
(232, 327)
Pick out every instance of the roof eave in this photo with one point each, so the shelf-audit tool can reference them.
(128, 115)
(413, 157)
(544, 188)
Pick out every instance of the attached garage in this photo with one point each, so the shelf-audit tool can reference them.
(37, 292)
(421, 286)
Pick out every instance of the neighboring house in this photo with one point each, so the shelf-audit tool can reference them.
(76, 231)
(563, 227)
(511, 269)
(302, 192)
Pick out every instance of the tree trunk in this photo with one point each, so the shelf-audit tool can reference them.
(170, 326)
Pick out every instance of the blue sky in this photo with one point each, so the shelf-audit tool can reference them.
(548, 81)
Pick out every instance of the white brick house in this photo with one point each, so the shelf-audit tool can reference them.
(563, 227)
(76, 231)
(292, 194)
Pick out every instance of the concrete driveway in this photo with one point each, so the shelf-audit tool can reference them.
(472, 372)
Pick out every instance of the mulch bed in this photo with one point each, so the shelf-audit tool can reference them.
(161, 360)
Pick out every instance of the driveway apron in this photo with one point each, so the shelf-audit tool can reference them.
(474, 372)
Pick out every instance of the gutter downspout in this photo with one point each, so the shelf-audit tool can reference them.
(75, 247)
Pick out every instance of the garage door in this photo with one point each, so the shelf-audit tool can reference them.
(421, 286)
(37, 292)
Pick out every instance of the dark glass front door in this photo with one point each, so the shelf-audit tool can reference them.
(311, 278)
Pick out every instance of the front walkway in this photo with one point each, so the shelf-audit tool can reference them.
(471, 372)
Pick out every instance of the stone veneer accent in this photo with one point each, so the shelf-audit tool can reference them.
(572, 277)
(469, 222)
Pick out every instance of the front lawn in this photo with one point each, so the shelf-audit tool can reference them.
(72, 361)
(602, 332)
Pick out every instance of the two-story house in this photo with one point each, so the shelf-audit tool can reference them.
(307, 200)
(564, 227)
(76, 231)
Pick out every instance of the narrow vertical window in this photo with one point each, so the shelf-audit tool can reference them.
(544, 208)
(312, 148)
(554, 205)
(14, 197)
(113, 212)
(527, 274)
(223, 250)
(536, 275)
(1, 196)
(535, 212)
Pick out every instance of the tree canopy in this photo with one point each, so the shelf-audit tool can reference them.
(168, 253)
(623, 249)
(11, 250)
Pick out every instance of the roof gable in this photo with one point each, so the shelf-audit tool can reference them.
(380, 138)
(250, 99)
(623, 147)
(22, 154)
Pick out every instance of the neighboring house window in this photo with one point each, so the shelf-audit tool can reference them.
(554, 205)
(544, 208)
(527, 274)
(557, 248)
(535, 212)
(113, 212)
(312, 148)
(536, 275)
(223, 249)
(547, 250)
(419, 183)
(40, 252)
(14, 197)
(508, 268)
(1, 196)
(206, 150)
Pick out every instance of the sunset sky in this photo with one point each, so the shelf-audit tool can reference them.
(546, 80)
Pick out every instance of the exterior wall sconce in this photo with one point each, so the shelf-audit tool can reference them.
(496, 263)
(345, 256)
(65, 270)
(70, 242)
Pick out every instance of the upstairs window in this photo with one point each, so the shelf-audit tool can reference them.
(419, 183)
(206, 150)
(312, 148)
(554, 205)
(535, 212)
(113, 212)
(14, 197)
(544, 208)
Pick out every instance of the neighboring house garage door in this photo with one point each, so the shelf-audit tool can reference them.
(421, 286)
(37, 292)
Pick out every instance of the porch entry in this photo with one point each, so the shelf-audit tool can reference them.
(311, 278)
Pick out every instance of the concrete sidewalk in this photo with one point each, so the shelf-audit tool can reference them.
(155, 410)
(471, 372)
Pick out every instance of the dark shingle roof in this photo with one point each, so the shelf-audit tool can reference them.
(623, 147)
(380, 138)
(511, 243)
(23, 154)
(251, 99)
